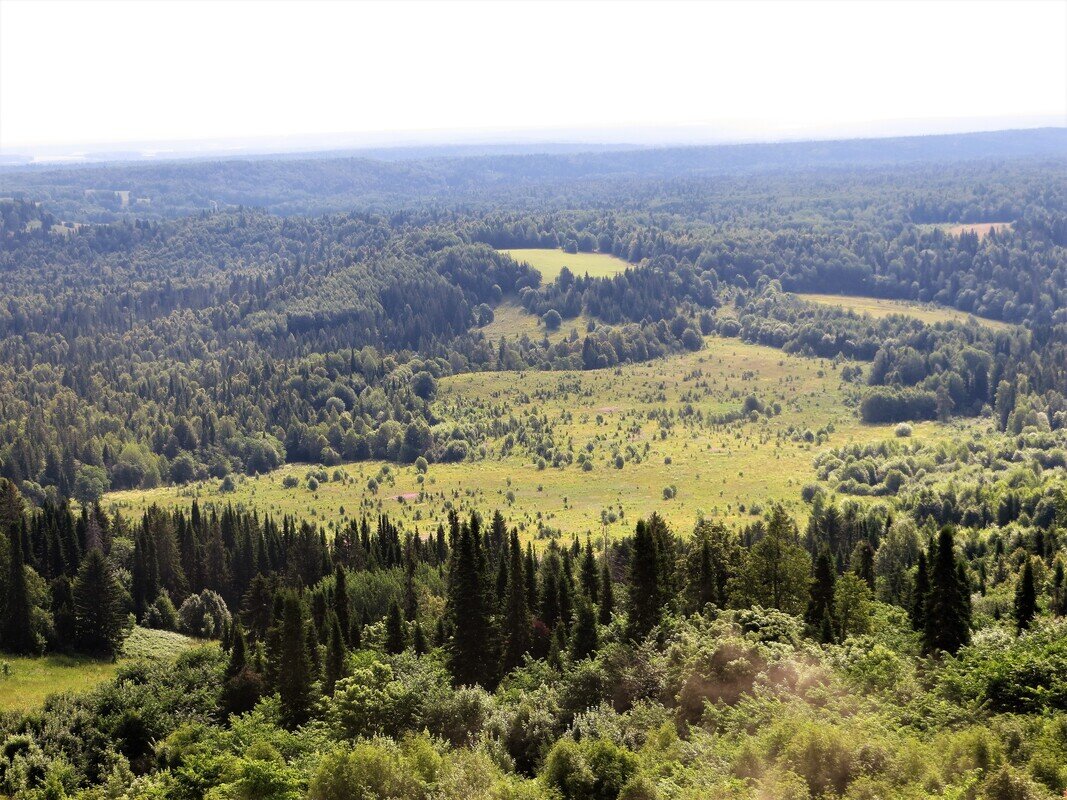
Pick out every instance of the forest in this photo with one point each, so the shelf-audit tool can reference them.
(890, 622)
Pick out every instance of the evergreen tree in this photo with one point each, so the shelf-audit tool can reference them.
(516, 611)
(1025, 598)
(607, 594)
(294, 671)
(238, 652)
(589, 575)
(821, 605)
(947, 607)
(341, 602)
(334, 668)
(18, 635)
(394, 630)
(645, 601)
(418, 640)
(99, 613)
(919, 593)
(584, 634)
(472, 657)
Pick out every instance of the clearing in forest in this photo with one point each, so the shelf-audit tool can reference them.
(682, 435)
(26, 681)
(878, 307)
(550, 262)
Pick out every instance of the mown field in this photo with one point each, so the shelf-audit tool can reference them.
(25, 682)
(676, 424)
(925, 312)
(550, 262)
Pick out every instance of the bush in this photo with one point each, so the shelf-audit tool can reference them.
(203, 615)
(290, 482)
(903, 430)
(162, 615)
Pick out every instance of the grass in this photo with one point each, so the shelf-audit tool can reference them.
(550, 262)
(929, 313)
(981, 228)
(646, 413)
(512, 321)
(26, 682)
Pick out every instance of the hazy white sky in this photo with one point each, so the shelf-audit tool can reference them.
(83, 71)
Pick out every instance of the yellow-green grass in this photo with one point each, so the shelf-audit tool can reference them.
(26, 682)
(512, 321)
(550, 262)
(720, 471)
(877, 307)
(981, 228)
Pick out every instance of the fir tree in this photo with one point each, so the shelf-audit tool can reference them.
(584, 634)
(294, 672)
(341, 602)
(516, 611)
(607, 594)
(334, 668)
(18, 636)
(589, 577)
(821, 605)
(472, 657)
(418, 640)
(238, 652)
(1025, 598)
(947, 607)
(99, 615)
(919, 592)
(645, 601)
(394, 630)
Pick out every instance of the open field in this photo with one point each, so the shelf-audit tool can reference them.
(26, 682)
(676, 422)
(550, 262)
(879, 307)
(981, 228)
(512, 321)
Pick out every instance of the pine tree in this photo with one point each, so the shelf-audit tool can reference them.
(1025, 608)
(99, 615)
(516, 611)
(947, 607)
(821, 605)
(294, 676)
(394, 630)
(607, 593)
(645, 602)
(18, 636)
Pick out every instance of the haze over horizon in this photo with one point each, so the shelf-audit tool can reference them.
(346, 65)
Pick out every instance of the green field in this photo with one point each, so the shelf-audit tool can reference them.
(550, 262)
(512, 321)
(924, 312)
(721, 470)
(26, 682)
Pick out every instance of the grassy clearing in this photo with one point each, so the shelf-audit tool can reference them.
(981, 228)
(26, 682)
(550, 262)
(925, 312)
(659, 417)
(512, 321)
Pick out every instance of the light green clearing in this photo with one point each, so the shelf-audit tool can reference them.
(550, 262)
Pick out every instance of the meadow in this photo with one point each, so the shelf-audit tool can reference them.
(683, 436)
(25, 682)
(877, 307)
(550, 262)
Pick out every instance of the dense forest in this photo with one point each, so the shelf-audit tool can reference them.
(903, 635)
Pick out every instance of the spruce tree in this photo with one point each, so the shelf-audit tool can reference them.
(1025, 598)
(18, 634)
(238, 652)
(584, 634)
(516, 611)
(589, 575)
(418, 640)
(947, 607)
(394, 630)
(472, 657)
(334, 668)
(645, 602)
(341, 602)
(820, 609)
(607, 594)
(99, 615)
(294, 672)
(919, 592)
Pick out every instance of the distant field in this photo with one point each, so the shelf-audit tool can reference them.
(925, 312)
(981, 228)
(550, 262)
(719, 470)
(26, 682)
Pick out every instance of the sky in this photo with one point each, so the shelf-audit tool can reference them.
(89, 72)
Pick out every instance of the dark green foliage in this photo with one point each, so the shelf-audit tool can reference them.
(395, 634)
(820, 613)
(1025, 607)
(99, 612)
(947, 608)
(18, 629)
(645, 597)
(516, 611)
(293, 673)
